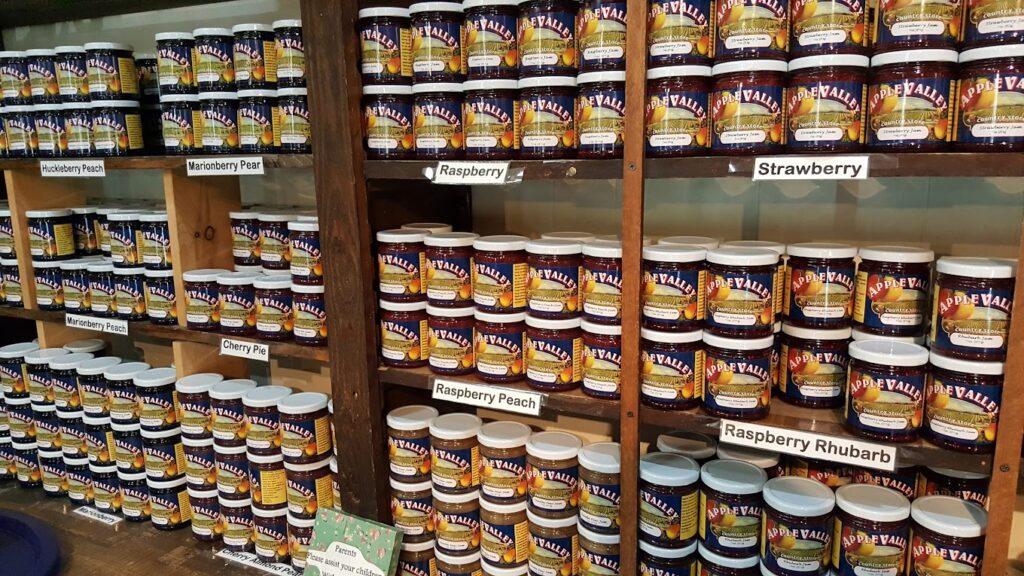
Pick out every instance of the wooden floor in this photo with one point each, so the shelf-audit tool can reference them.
(90, 548)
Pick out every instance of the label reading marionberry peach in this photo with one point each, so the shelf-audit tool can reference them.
(881, 403)
(678, 31)
(885, 302)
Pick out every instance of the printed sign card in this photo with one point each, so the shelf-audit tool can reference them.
(344, 545)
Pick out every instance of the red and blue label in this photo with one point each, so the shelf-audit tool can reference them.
(972, 320)
(455, 470)
(599, 506)
(677, 122)
(989, 112)
(490, 124)
(812, 375)
(797, 549)
(911, 111)
(199, 461)
(892, 303)
(451, 349)
(547, 42)
(162, 459)
(737, 536)
(929, 557)
(884, 551)
(602, 370)
(673, 299)
(546, 124)
(491, 46)
(902, 480)
(553, 363)
(962, 413)
(601, 118)
(879, 402)
(822, 112)
(156, 408)
(389, 130)
(424, 567)
(437, 51)
(751, 29)
(993, 22)
(740, 389)
(748, 116)
(438, 124)
(740, 301)
(553, 291)
(552, 489)
(670, 377)
(601, 35)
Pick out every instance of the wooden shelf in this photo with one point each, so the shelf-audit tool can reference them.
(29, 12)
(531, 169)
(172, 333)
(270, 161)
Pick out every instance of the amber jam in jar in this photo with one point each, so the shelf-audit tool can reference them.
(674, 287)
(547, 119)
(986, 118)
(973, 298)
(385, 36)
(553, 285)
(946, 535)
(401, 266)
(547, 38)
(797, 527)
(737, 377)
(913, 24)
(669, 498)
(601, 290)
(554, 354)
(500, 271)
(455, 454)
(962, 403)
(409, 442)
(740, 290)
(748, 106)
(387, 117)
(819, 285)
(731, 488)
(601, 114)
(489, 115)
(503, 461)
(437, 121)
(872, 529)
(672, 368)
(676, 114)
(891, 298)
(504, 532)
(885, 391)
(825, 103)
(499, 343)
(911, 100)
(812, 366)
(552, 474)
(491, 44)
(403, 334)
(450, 338)
(554, 546)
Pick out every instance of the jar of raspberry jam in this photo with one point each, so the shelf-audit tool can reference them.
(601, 114)
(437, 40)
(489, 115)
(740, 291)
(946, 535)
(500, 273)
(819, 285)
(450, 340)
(602, 360)
(492, 48)
(553, 287)
(971, 311)
(891, 298)
(751, 29)
(403, 334)
(674, 288)
(872, 528)
(437, 121)
(986, 120)
(601, 290)
(911, 100)
(747, 107)
(385, 36)
(737, 377)
(400, 265)
(554, 354)
(547, 38)
(449, 269)
(387, 117)
(672, 368)
(962, 403)
(812, 366)
(913, 24)
(499, 343)
(885, 391)
(825, 103)
(547, 118)
(676, 113)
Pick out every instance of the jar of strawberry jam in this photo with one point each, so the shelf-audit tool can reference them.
(819, 285)
(403, 329)
(812, 366)
(601, 290)
(437, 120)
(679, 33)
(553, 285)
(891, 298)
(740, 291)
(547, 118)
(962, 403)
(673, 292)
(885, 391)
(747, 106)
(450, 340)
(971, 311)
(912, 24)
(449, 269)
(400, 265)
(489, 114)
(602, 360)
(547, 38)
(825, 103)
(672, 368)
(500, 273)
(986, 118)
(988, 23)
(737, 377)
(751, 29)
(554, 354)
(910, 100)
(676, 113)
(842, 30)
(601, 113)
(499, 343)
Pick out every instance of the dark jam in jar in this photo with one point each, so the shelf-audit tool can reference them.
(547, 121)
(679, 33)
(825, 103)
(673, 292)
(117, 127)
(986, 119)
(388, 117)
(499, 343)
(219, 111)
(731, 488)
(840, 30)
(740, 291)
(214, 64)
(201, 299)
(259, 131)
(553, 287)
(737, 377)
(310, 315)
(885, 393)
(601, 114)
(962, 403)
(547, 38)
(449, 269)
(72, 74)
(291, 53)
(676, 113)
(78, 128)
(450, 340)
(174, 52)
(112, 74)
(672, 369)
(797, 527)
(386, 46)
(819, 285)
(489, 116)
(236, 303)
(491, 44)
(871, 529)
(437, 42)
(161, 299)
(891, 298)
(602, 360)
(946, 535)
(50, 131)
(751, 29)
(20, 126)
(912, 24)
(967, 486)
(748, 107)
(255, 57)
(403, 332)
(911, 100)
(601, 35)
(812, 366)
(438, 122)
(601, 282)
(304, 254)
(971, 310)
(401, 265)
(293, 109)
(554, 354)
(500, 273)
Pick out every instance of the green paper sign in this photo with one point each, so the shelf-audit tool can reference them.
(344, 545)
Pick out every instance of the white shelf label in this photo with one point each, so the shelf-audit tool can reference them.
(233, 166)
(72, 168)
(94, 514)
(493, 397)
(243, 349)
(808, 444)
(249, 559)
(109, 325)
(463, 173)
(811, 168)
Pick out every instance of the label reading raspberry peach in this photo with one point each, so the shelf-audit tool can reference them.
(503, 479)
(883, 404)
(450, 350)
(449, 279)
(401, 273)
(602, 370)
(402, 341)
(677, 30)
(499, 286)
(602, 294)
(891, 302)
(554, 363)
(500, 354)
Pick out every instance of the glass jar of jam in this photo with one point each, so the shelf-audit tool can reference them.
(304, 254)
(547, 120)
(885, 393)
(551, 51)
(13, 369)
(195, 414)
(80, 490)
(669, 500)
(414, 558)
(601, 278)
(457, 518)
(489, 115)
(711, 564)
(437, 120)
(812, 367)
(960, 484)
(819, 285)
(49, 284)
(500, 341)
(409, 442)
(741, 291)
(450, 340)
(985, 120)
(245, 235)
(72, 74)
(112, 74)
(386, 45)
(291, 55)
(12, 284)
(737, 377)
(553, 354)
(255, 68)
(268, 482)
(871, 529)
(228, 411)
(911, 100)
(747, 106)
(449, 269)
(598, 551)
(388, 122)
(116, 127)
(412, 510)
(236, 303)
(124, 231)
(404, 334)
(972, 306)
(262, 421)
(673, 292)
(602, 360)
(91, 385)
(668, 561)
(50, 234)
(962, 403)
(601, 36)
(503, 462)
(491, 45)
(917, 24)
(500, 274)
(455, 453)
(202, 298)
(180, 122)
(731, 489)
(26, 463)
(175, 51)
(946, 534)
(219, 111)
(798, 525)
(273, 246)
(259, 130)
(600, 132)
(599, 485)
(64, 381)
(552, 474)
(75, 285)
(50, 131)
(437, 42)
(157, 400)
(274, 307)
(131, 455)
(554, 545)
(553, 285)
(672, 369)
(700, 447)
(106, 489)
(841, 31)
(825, 105)
(130, 293)
(678, 100)
(892, 290)
(161, 301)
(20, 127)
(305, 427)
(679, 33)
(401, 266)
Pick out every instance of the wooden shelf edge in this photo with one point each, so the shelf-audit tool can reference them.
(270, 161)
(167, 333)
(529, 169)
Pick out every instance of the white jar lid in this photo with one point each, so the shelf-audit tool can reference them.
(678, 72)
(464, 498)
(203, 275)
(402, 306)
(11, 54)
(889, 353)
(44, 355)
(97, 366)
(690, 444)
(225, 503)
(218, 96)
(1004, 51)
(671, 337)
(276, 216)
(799, 496)
(287, 23)
(107, 46)
(456, 426)
(159, 273)
(668, 469)
(554, 445)
(601, 457)
(414, 417)
(274, 282)
(286, 92)
(449, 312)
(501, 243)
(554, 247)
(467, 4)
(244, 215)
(115, 104)
(309, 522)
(428, 87)
(97, 469)
(457, 561)
(302, 403)
(674, 253)
(307, 289)
(749, 66)
(602, 329)
(257, 93)
(17, 401)
(78, 210)
(902, 254)
(251, 27)
(912, 56)
(8, 261)
(547, 81)
(743, 256)
(825, 250)
(228, 449)
(70, 361)
(580, 237)
(950, 516)
(727, 561)
(101, 267)
(262, 458)
(43, 408)
(325, 463)
(160, 36)
(603, 249)
(977, 267)
(550, 522)
(961, 474)
(69, 49)
(597, 538)
(816, 334)
(451, 239)
(733, 476)
(875, 503)
(118, 427)
(513, 508)
(545, 324)
(503, 435)
(47, 213)
(860, 335)
(763, 459)
(156, 434)
(778, 247)
(822, 61)
(155, 377)
(738, 343)
(399, 235)
(435, 7)
(431, 227)
(18, 350)
(953, 364)
(592, 77)
(236, 279)
(136, 271)
(265, 396)
(144, 56)
(490, 85)
(196, 383)
(409, 486)
(211, 32)
(491, 317)
(231, 389)
(122, 475)
(124, 215)
(75, 264)
(670, 553)
(197, 442)
(126, 371)
(48, 107)
(46, 264)
(383, 11)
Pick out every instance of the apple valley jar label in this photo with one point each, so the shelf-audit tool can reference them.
(726, 527)
(677, 122)
(879, 403)
(993, 19)
(72, 77)
(601, 119)
(554, 362)
(112, 76)
(741, 300)
(601, 34)
(455, 470)
(804, 548)
(820, 112)
(911, 111)
(499, 286)
(409, 457)
(401, 272)
(499, 355)
(737, 388)
(921, 21)
(50, 132)
(856, 552)
(386, 50)
(824, 293)
(546, 124)
(965, 415)
(457, 532)
(503, 478)
(214, 62)
(991, 109)
(78, 125)
(547, 41)
(554, 556)
(402, 341)
(891, 301)
(553, 488)
(491, 44)
(744, 25)
(748, 115)
(490, 124)
(602, 294)
(602, 369)
(927, 557)
(15, 82)
(668, 521)
(438, 125)
(174, 66)
(674, 295)
(437, 50)
(672, 377)
(255, 60)
(502, 545)
(389, 125)
(450, 349)
(809, 375)
(972, 319)
(449, 279)
(220, 128)
(258, 124)
(553, 289)
(837, 24)
(677, 29)
(413, 516)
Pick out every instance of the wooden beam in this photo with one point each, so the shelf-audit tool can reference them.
(55, 335)
(194, 357)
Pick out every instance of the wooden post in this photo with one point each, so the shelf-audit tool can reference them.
(55, 335)
(334, 102)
